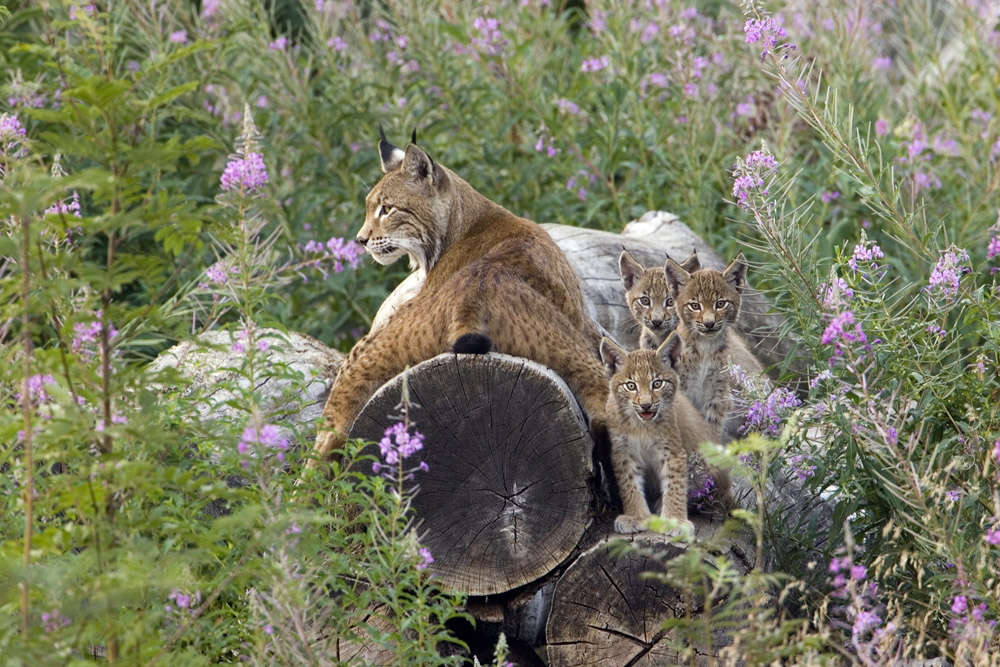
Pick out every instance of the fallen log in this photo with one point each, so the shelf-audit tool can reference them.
(505, 498)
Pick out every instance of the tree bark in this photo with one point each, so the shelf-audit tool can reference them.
(506, 498)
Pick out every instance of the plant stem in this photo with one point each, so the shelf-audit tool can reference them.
(29, 466)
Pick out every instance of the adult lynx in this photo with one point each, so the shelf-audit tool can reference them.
(493, 281)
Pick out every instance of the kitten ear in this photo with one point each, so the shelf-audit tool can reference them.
(692, 263)
(630, 269)
(391, 156)
(413, 137)
(419, 166)
(677, 276)
(612, 355)
(736, 272)
(670, 350)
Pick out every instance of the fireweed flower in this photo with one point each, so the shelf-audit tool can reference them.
(567, 106)
(36, 388)
(488, 40)
(545, 145)
(748, 174)
(840, 334)
(87, 335)
(881, 127)
(179, 37)
(396, 446)
(11, 141)
(247, 175)
(66, 207)
(426, 559)
(992, 536)
(835, 293)
(594, 64)
(993, 249)
(54, 620)
(703, 495)
(947, 274)
(862, 253)
(799, 465)
(333, 255)
(767, 415)
(268, 437)
(183, 603)
(765, 31)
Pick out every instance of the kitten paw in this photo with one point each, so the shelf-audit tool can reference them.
(629, 524)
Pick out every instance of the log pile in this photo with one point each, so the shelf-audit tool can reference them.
(508, 506)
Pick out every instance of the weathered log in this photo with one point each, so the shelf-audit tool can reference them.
(506, 497)
(607, 611)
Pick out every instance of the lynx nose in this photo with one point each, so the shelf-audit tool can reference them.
(362, 240)
(656, 323)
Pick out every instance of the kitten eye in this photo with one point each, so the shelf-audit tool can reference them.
(695, 306)
(656, 384)
(631, 386)
(644, 300)
(669, 303)
(720, 304)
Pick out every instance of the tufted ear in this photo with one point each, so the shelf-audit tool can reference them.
(677, 276)
(692, 263)
(391, 156)
(612, 355)
(736, 272)
(630, 269)
(670, 350)
(419, 166)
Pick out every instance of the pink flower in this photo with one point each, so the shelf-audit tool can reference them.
(179, 37)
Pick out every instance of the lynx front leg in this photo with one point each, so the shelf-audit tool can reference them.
(674, 477)
(636, 513)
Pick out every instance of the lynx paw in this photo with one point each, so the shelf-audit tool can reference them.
(327, 442)
(629, 524)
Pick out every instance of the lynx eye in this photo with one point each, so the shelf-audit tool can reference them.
(656, 384)
(631, 386)
(695, 306)
(383, 209)
(669, 303)
(644, 300)
(720, 304)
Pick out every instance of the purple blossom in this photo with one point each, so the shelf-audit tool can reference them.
(882, 63)
(246, 175)
(11, 135)
(959, 604)
(594, 64)
(397, 444)
(268, 629)
(332, 255)
(766, 31)
(64, 207)
(923, 180)
(862, 253)
(947, 274)
(425, 558)
(833, 293)
(490, 40)
(825, 375)
(748, 177)
(993, 536)
(828, 196)
(115, 419)
(268, 437)
(746, 108)
(337, 43)
(546, 145)
(840, 334)
(598, 21)
(859, 572)
(802, 468)
(209, 8)
(953, 496)
(703, 495)
(36, 388)
(278, 44)
(86, 335)
(54, 620)
(993, 249)
(690, 89)
(179, 37)
(567, 106)
(767, 415)
(183, 601)
(865, 620)
(881, 127)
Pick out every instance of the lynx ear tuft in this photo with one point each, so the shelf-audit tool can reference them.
(391, 156)
(692, 263)
(630, 269)
(413, 137)
(612, 355)
(736, 272)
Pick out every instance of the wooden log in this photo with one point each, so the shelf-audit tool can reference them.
(608, 612)
(506, 497)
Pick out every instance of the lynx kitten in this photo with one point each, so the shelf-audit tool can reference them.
(650, 298)
(653, 429)
(708, 303)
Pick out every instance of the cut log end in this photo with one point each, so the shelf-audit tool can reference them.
(505, 498)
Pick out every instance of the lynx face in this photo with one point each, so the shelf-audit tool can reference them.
(643, 382)
(406, 213)
(708, 301)
(650, 297)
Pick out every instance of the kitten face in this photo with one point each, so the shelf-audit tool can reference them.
(643, 382)
(708, 301)
(650, 297)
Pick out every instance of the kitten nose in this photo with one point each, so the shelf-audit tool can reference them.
(656, 323)
(363, 241)
(646, 407)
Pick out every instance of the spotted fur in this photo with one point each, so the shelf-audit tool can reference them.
(650, 298)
